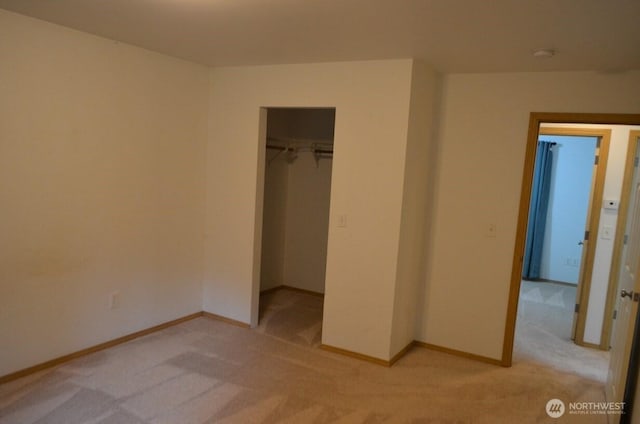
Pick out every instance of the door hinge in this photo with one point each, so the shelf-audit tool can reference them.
(626, 238)
(586, 235)
(577, 308)
(615, 313)
(595, 162)
(635, 161)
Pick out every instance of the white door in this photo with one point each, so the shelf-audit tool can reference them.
(628, 295)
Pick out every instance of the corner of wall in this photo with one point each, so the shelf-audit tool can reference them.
(416, 210)
(432, 197)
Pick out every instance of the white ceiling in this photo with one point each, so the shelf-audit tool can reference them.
(451, 35)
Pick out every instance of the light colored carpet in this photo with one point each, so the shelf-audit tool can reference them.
(291, 316)
(206, 371)
(543, 332)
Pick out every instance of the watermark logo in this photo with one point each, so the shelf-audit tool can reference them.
(555, 408)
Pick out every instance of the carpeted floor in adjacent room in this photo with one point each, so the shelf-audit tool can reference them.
(206, 371)
(543, 333)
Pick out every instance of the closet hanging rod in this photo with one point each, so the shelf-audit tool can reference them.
(278, 147)
(326, 151)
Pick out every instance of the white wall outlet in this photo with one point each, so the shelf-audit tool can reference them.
(114, 300)
(342, 221)
(492, 229)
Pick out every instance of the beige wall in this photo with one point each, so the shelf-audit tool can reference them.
(295, 222)
(309, 191)
(417, 202)
(301, 123)
(274, 220)
(482, 141)
(372, 108)
(101, 187)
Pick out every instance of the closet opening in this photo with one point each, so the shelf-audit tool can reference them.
(295, 222)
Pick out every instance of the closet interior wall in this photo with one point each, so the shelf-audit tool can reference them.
(296, 199)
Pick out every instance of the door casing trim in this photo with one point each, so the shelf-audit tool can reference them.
(535, 120)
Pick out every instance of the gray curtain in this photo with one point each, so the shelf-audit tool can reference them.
(538, 211)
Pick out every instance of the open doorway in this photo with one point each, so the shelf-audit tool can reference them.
(601, 302)
(295, 223)
(561, 242)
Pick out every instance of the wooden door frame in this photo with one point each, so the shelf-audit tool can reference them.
(535, 120)
(592, 219)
